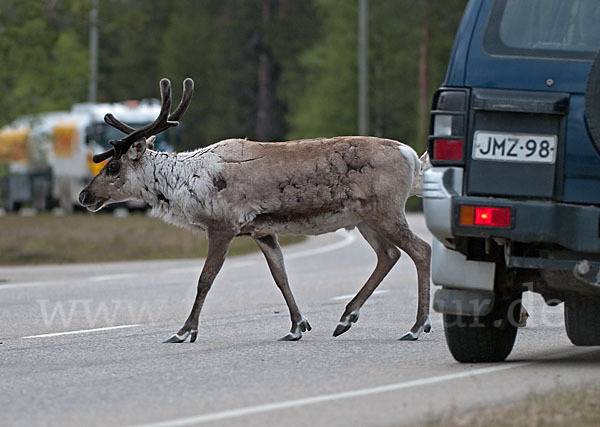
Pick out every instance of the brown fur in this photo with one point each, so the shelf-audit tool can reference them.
(263, 189)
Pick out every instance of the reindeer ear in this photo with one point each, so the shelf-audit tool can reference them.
(137, 149)
(150, 142)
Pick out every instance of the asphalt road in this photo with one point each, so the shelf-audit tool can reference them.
(82, 345)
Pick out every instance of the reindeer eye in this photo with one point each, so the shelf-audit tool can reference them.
(113, 167)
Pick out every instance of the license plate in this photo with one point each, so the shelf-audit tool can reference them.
(511, 147)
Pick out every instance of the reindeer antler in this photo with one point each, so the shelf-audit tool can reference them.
(164, 121)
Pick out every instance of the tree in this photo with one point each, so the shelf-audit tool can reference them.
(407, 60)
(235, 50)
(131, 38)
(45, 59)
(264, 69)
(325, 102)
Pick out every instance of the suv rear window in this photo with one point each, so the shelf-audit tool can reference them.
(544, 28)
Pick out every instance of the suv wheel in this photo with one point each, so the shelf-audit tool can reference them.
(483, 339)
(582, 319)
(592, 101)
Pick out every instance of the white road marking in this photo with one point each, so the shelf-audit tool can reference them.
(269, 407)
(348, 239)
(240, 264)
(232, 264)
(185, 270)
(28, 285)
(344, 297)
(81, 331)
(112, 277)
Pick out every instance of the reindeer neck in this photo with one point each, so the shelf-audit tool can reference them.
(178, 186)
(161, 178)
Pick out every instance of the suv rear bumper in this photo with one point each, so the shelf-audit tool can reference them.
(574, 227)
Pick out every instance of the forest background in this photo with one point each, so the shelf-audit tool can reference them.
(265, 70)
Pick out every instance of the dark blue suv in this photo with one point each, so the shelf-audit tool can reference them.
(513, 197)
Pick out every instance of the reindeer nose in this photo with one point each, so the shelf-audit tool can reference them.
(84, 197)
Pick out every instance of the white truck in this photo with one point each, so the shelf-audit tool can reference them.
(47, 157)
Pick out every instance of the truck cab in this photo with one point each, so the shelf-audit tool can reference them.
(48, 156)
(513, 197)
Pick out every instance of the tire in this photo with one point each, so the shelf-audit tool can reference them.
(582, 320)
(592, 101)
(480, 340)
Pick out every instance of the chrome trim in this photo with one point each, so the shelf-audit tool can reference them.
(440, 184)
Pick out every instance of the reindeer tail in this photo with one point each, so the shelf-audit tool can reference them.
(417, 186)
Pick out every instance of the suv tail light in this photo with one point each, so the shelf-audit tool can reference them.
(448, 149)
(448, 126)
(486, 216)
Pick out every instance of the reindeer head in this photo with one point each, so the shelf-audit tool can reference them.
(119, 180)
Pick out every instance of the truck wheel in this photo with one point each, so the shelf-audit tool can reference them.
(592, 101)
(483, 339)
(582, 320)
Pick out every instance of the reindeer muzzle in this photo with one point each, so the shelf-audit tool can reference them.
(87, 200)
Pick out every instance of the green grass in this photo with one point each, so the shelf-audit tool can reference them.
(45, 239)
(580, 407)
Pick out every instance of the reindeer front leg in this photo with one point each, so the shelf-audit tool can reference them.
(218, 245)
(272, 252)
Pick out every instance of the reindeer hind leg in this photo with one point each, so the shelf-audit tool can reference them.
(419, 251)
(387, 256)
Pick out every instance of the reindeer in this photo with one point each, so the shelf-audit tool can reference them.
(238, 187)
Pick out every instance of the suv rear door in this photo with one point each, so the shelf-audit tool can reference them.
(528, 79)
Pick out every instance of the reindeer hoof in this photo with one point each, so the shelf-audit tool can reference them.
(341, 328)
(345, 324)
(304, 325)
(181, 338)
(409, 337)
(427, 325)
(290, 337)
(174, 339)
(414, 335)
(523, 318)
(296, 333)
